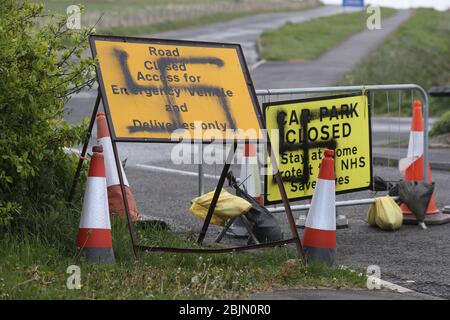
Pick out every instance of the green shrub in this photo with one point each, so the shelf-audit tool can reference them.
(442, 125)
(41, 65)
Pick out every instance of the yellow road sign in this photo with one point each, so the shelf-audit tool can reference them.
(158, 90)
(300, 130)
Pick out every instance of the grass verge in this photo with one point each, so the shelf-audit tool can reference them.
(442, 126)
(35, 269)
(308, 40)
(418, 52)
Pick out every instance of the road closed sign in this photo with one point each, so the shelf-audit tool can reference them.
(158, 90)
(301, 130)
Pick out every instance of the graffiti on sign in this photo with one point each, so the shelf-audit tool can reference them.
(307, 127)
(153, 88)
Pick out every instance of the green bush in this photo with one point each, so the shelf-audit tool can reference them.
(442, 125)
(41, 65)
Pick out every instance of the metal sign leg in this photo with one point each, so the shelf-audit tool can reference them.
(215, 198)
(125, 200)
(285, 199)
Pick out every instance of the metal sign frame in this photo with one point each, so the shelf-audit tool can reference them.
(267, 105)
(239, 53)
(362, 89)
(135, 244)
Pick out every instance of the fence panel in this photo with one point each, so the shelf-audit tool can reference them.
(386, 101)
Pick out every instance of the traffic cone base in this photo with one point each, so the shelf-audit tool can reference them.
(319, 236)
(99, 255)
(320, 254)
(430, 219)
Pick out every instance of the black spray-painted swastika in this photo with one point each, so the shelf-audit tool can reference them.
(306, 116)
(175, 117)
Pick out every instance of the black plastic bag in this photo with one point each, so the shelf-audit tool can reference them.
(264, 225)
(379, 184)
(416, 195)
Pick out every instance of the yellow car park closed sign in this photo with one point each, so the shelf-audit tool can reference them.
(155, 90)
(301, 130)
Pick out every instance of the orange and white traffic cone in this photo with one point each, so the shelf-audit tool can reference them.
(412, 165)
(94, 235)
(249, 181)
(115, 199)
(319, 236)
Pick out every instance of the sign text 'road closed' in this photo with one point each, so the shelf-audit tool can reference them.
(154, 89)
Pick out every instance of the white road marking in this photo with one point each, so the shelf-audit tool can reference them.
(175, 171)
(256, 65)
(231, 33)
(385, 284)
(394, 287)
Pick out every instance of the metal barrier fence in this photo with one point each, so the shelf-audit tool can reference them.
(269, 95)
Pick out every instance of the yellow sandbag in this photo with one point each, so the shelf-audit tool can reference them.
(228, 206)
(385, 213)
